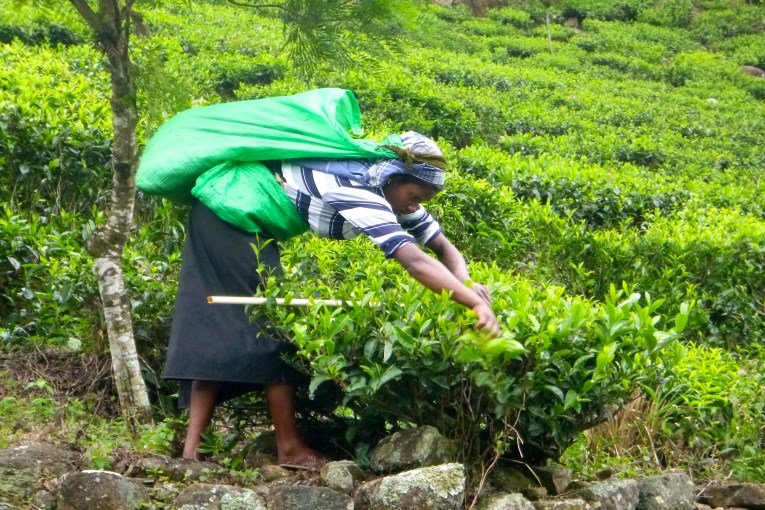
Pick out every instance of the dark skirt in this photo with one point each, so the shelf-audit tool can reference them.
(218, 342)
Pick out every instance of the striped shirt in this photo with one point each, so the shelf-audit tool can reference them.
(339, 208)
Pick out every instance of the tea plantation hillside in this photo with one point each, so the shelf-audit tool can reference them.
(605, 182)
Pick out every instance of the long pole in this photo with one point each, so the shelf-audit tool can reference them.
(249, 300)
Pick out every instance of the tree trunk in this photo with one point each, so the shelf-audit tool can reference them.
(112, 26)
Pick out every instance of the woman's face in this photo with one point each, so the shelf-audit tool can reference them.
(406, 197)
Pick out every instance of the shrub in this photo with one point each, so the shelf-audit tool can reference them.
(510, 16)
(668, 13)
(562, 364)
(718, 24)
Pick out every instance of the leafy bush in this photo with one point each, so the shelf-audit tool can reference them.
(718, 24)
(510, 16)
(55, 148)
(561, 365)
(49, 33)
(625, 10)
(668, 13)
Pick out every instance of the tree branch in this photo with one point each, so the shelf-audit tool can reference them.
(259, 6)
(87, 13)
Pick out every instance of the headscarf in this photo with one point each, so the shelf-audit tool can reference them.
(419, 157)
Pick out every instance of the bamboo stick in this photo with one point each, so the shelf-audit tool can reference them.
(250, 300)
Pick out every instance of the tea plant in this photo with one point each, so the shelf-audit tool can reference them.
(405, 356)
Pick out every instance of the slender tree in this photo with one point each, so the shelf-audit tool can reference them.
(111, 22)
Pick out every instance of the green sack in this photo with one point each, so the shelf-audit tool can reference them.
(320, 123)
(247, 195)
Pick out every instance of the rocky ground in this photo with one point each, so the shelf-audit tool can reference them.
(410, 470)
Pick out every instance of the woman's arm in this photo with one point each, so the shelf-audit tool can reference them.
(435, 276)
(451, 257)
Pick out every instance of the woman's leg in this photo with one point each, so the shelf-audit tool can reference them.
(291, 449)
(201, 407)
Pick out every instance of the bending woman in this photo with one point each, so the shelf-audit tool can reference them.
(217, 354)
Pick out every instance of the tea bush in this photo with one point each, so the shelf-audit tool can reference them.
(562, 364)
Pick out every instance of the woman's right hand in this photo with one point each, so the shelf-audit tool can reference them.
(487, 321)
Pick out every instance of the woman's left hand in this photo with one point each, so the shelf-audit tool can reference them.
(482, 291)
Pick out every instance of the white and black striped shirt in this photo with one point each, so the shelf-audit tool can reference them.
(339, 208)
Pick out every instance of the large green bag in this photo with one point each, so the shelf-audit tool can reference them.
(321, 123)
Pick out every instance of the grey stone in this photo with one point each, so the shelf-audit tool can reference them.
(341, 475)
(202, 496)
(553, 478)
(754, 71)
(746, 495)
(534, 493)
(507, 479)
(562, 504)
(304, 497)
(6, 506)
(256, 459)
(100, 490)
(668, 491)
(505, 502)
(21, 468)
(429, 488)
(612, 494)
(44, 500)
(175, 469)
(271, 473)
(409, 449)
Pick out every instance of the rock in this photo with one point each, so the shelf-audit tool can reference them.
(409, 449)
(164, 493)
(507, 479)
(44, 500)
(429, 488)
(202, 496)
(604, 474)
(302, 497)
(712, 100)
(271, 473)
(259, 459)
(505, 502)
(754, 71)
(21, 468)
(265, 442)
(746, 495)
(611, 495)
(572, 22)
(669, 491)
(100, 490)
(340, 475)
(534, 493)
(563, 504)
(6, 506)
(175, 469)
(554, 478)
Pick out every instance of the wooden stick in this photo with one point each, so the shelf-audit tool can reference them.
(249, 300)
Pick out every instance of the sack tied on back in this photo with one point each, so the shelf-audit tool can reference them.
(212, 153)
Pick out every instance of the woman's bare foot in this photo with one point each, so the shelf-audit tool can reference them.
(305, 458)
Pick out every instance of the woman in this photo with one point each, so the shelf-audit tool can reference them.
(217, 354)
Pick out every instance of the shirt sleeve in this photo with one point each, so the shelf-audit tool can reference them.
(421, 225)
(371, 216)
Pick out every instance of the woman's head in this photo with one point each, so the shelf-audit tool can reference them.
(405, 193)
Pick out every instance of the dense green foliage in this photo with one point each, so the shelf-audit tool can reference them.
(627, 147)
(562, 364)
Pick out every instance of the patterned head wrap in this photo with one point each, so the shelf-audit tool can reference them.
(419, 157)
